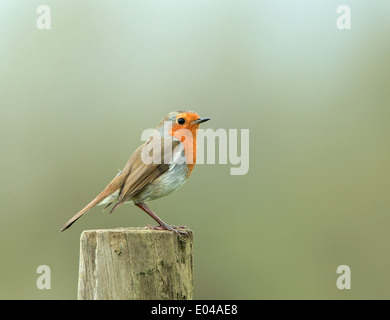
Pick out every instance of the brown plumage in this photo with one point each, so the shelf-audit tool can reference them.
(139, 182)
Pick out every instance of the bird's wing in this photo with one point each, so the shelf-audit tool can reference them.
(135, 176)
(139, 174)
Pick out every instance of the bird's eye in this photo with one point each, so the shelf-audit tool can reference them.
(181, 121)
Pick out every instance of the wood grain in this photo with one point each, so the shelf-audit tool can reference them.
(136, 264)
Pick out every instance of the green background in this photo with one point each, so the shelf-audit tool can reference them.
(75, 99)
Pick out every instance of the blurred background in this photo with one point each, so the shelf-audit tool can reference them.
(75, 99)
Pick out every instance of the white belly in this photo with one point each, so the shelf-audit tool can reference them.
(163, 185)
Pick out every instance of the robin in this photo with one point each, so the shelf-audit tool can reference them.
(145, 178)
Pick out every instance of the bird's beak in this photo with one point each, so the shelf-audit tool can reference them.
(200, 120)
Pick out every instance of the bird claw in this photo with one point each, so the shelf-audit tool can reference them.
(169, 228)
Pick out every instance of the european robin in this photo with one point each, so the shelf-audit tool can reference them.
(174, 156)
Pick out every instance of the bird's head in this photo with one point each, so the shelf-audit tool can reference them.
(181, 124)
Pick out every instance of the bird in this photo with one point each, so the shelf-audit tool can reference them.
(145, 178)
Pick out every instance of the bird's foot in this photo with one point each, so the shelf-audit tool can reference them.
(168, 227)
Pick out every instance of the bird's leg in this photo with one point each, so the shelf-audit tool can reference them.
(162, 224)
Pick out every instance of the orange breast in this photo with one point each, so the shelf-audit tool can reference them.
(187, 136)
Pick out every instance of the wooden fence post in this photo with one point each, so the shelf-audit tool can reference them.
(135, 263)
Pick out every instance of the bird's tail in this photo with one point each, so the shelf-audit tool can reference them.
(103, 195)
